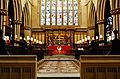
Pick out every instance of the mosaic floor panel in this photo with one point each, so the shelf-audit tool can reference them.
(59, 67)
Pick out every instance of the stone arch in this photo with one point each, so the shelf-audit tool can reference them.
(17, 16)
(100, 9)
(20, 7)
(26, 15)
(115, 12)
(100, 17)
(92, 14)
(26, 20)
(106, 15)
(17, 13)
(103, 10)
(17, 9)
(91, 17)
(22, 26)
(13, 2)
(11, 15)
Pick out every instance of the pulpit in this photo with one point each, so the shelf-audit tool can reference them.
(57, 49)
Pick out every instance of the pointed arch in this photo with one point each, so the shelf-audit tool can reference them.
(14, 8)
(17, 7)
(26, 21)
(91, 19)
(92, 15)
(101, 18)
(20, 10)
(101, 9)
(26, 15)
(98, 9)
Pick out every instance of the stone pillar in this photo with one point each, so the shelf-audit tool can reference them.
(119, 26)
(4, 25)
(3, 20)
(18, 30)
(102, 31)
(15, 30)
(115, 12)
(101, 28)
(114, 24)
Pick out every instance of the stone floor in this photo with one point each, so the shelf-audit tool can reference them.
(58, 67)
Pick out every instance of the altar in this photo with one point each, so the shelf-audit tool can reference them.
(58, 49)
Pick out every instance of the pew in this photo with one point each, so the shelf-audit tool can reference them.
(100, 67)
(18, 67)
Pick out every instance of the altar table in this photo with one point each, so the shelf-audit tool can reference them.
(56, 49)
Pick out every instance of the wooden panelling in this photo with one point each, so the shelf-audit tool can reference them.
(18, 67)
(99, 67)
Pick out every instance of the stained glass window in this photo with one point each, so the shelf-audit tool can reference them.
(53, 16)
(42, 12)
(47, 12)
(65, 12)
(75, 12)
(70, 17)
(59, 12)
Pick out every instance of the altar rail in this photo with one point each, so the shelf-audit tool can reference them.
(18, 67)
(100, 67)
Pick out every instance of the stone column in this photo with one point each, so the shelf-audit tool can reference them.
(116, 17)
(4, 24)
(2, 21)
(101, 28)
(15, 30)
(102, 31)
(18, 29)
(119, 25)
(114, 23)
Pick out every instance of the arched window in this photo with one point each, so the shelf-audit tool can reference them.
(59, 12)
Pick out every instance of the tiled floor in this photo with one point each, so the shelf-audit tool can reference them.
(60, 68)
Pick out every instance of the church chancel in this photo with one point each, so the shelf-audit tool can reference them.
(59, 42)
